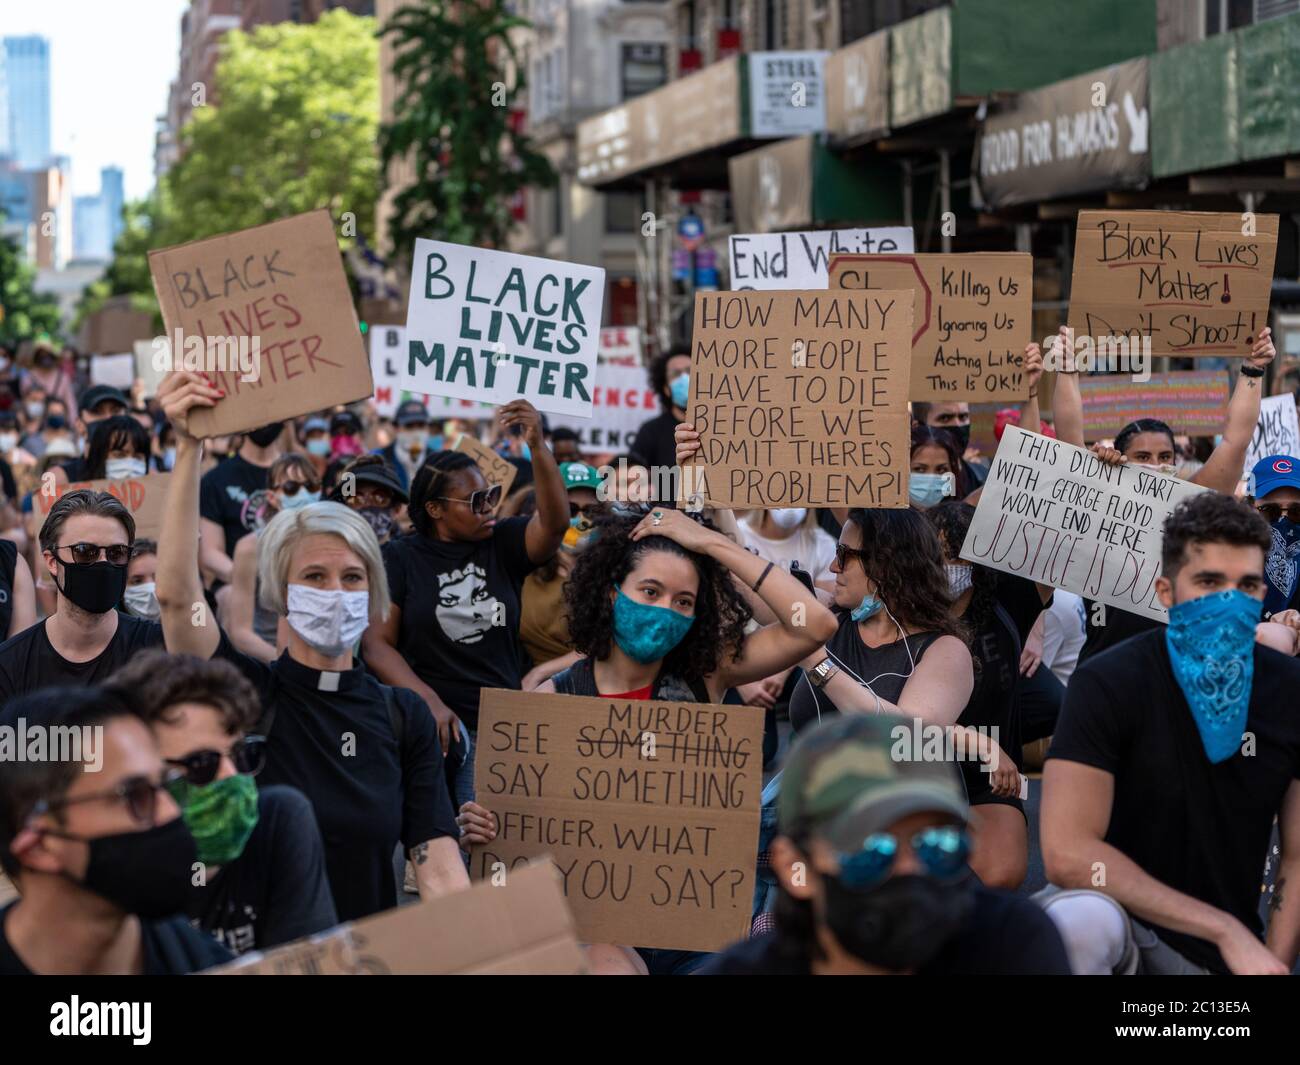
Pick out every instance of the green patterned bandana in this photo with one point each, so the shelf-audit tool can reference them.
(221, 815)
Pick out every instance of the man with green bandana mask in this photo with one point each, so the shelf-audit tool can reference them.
(260, 876)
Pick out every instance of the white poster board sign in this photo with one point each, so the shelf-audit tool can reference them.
(494, 327)
(387, 349)
(787, 93)
(1055, 513)
(1276, 433)
(115, 370)
(620, 344)
(784, 261)
(149, 356)
(623, 402)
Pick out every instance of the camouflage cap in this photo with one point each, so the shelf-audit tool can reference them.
(842, 780)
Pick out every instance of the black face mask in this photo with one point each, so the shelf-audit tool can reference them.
(145, 873)
(267, 435)
(900, 925)
(96, 588)
(962, 433)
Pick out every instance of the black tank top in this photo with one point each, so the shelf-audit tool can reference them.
(886, 668)
(8, 562)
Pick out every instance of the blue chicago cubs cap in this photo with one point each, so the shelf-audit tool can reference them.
(1273, 472)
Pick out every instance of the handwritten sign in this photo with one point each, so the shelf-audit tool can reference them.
(387, 352)
(1195, 283)
(493, 326)
(786, 261)
(800, 399)
(622, 402)
(495, 469)
(145, 497)
(267, 313)
(517, 927)
(650, 810)
(972, 319)
(1055, 513)
(1276, 433)
(1190, 401)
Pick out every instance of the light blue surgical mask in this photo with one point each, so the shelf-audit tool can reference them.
(928, 489)
(525, 452)
(680, 388)
(869, 607)
(301, 498)
(120, 469)
(319, 446)
(646, 633)
(1211, 643)
(169, 458)
(435, 443)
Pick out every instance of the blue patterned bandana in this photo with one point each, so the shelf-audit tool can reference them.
(1211, 643)
(1280, 566)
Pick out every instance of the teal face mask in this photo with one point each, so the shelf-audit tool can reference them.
(928, 489)
(680, 389)
(221, 815)
(869, 607)
(646, 633)
(435, 443)
(318, 446)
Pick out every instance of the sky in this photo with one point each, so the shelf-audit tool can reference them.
(111, 62)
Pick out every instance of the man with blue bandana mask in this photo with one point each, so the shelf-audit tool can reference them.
(1274, 490)
(1174, 753)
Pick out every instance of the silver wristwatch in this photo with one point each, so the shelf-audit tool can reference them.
(823, 671)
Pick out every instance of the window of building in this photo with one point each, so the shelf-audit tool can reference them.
(644, 67)
(623, 212)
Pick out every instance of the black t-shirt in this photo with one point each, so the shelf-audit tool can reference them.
(330, 736)
(76, 470)
(276, 890)
(1199, 828)
(171, 948)
(1115, 627)
(1007, 935)
(655, 443)
(7, 482)
(232, 494)
(8, 563)
(460, 612)
(29, 661)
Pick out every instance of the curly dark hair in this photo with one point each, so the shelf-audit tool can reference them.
(430, 482)
(720, 612)
(951, 520)
(922, 435)
(154, 683)
(901, 554)
(659, 374)
(1211, 518)
(1143, 425)
(107, 434)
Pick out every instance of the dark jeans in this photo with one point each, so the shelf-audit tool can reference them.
(1040, 704)
(672, 962)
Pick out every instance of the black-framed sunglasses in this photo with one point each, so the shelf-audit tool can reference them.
(1271, 512)
(200, 767)
(588, 511)
(843, 553)
(480, 502)
(85, 554)
(292, 488)
(139, 793)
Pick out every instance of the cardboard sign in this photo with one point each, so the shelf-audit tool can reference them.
(494, 327)
(145, 497)
(1190, 401)
(649, 809)
(519, 927)
(387, 350)
(620, 344)
(785, 261)
(495, 469)
(972, 319)
(800, 399)
(1195, 283)
(1276, 433)
(622, 402)
(1055, 513)
(147, 366)
(115, 370)
(267, 313)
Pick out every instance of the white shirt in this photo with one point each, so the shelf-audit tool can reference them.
(1063, 634)
(811, 546)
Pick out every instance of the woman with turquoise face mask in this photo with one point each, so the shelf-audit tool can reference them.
(936, 471)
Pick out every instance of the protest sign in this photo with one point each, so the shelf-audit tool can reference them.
(387, 350)
(1055, 513)
(1189, 401)
(620, 344)
(519, 925)
(495, 469)
(494, 327)
(972, 319)
(800, 399)
(1194, 282)
(622, 402)
(265, 312)
(115, 370)
(145, 497)
(1276, 433)
(151, 363)
(787, 261)
(649, 809)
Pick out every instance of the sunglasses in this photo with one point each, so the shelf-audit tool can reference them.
(480, 502)
(1271, 512)
(139, 794)
(200, 768)
(590, 511)
(843, 553)
(292, 488)
(84, 554)
(943, 852)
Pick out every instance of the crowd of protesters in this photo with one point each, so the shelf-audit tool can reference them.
(349, 575)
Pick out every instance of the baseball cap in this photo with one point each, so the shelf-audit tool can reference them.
(97, 394)
(1273, 472)
(842, 782)
(411, 412)
(315, 424)
(345, 422)
(370, 469)
(579, 475)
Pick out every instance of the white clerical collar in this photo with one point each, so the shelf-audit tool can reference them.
(328, 682)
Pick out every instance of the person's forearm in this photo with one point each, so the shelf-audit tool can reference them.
(246, 640)
(439, 868)
(177, 584)
(552, 666)
(383, 659)
(548, 486)
(1031, 420)
(215, 561)
(1067, 408)
(782, 592)
(1283, 937)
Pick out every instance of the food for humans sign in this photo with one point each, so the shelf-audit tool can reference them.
(972, 319)
(267, 313)
(1196, 283)
(1056, 514)
(800, 399)
(495, 469)
(387, 352)
(785, 261)
(1276, 433)
(649, 809)
(622, 402)
(1190, 401)
(145, 497)
(494, 327)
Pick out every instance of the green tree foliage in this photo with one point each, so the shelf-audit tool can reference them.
(458, 76)
(27, 315)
